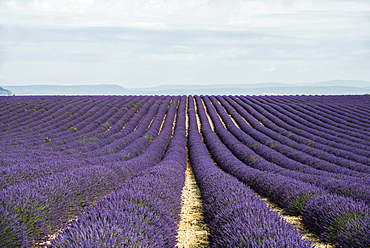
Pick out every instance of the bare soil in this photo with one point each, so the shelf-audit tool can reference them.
(192, 232)
(296, 221)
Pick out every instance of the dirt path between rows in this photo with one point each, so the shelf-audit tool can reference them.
(193, 232)
(296, 221)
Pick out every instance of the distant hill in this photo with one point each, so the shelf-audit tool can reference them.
(333, 87)
(216, 86)
(5, 91)
(345, 83)
(102, 89)
(292, 90)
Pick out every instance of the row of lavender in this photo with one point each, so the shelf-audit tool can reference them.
(93, 120)
(236, 216)
(282, 116)
(334, 176)
(297, 181)
(40, 197)
(144, 210)
(116, 144)
(34, 132)
(32, 160)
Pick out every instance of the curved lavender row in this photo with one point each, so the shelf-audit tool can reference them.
(129, 135)
(13, 138)
(341, 106)
(136, 142)
(285, 146)
(16, 174)
(117, 115)
(31, 132)
(26, 171)
(341, 99)
(326, 122)
(135, 120)
(359, 109)
(116, 122)
(234, 213)
(321, 139)
(108, 139)
(88, 107)
(42, 125)
(17, 104)
(43, 114)
(321, 151)
(16, 127)
(128, 129)
(9, 107)
(32, 127)
(71, 118)
(321, 126)
(351, 113)
(349, 186)
(106, 136)
(9, 178)
(48, 203)
(83, 122)
(68, 104)
(69, 121)
(156, 113)
(330, 221)
(48, 154)
(35, 228)
(292, 127)
(143, 212)
(337, 114)
(20, 105)
(24, 113)
(251, 140)
(341, 114)
(152, 155)
(286, 192)
(338, 220)
(301, 125)
(115, 125)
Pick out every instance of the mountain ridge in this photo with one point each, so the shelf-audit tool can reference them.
(332, 87)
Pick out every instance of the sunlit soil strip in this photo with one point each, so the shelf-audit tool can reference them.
(230, 115)
(192, 232)
(296, 221)
(69, 222)
(53, 236)
(251, 115)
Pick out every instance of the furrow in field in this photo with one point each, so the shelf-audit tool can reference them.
(193, 232)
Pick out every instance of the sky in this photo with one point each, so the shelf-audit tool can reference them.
(144, 43)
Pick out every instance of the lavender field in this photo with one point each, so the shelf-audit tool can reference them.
(109, 171)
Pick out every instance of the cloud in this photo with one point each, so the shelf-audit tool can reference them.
(271, 69)
(194, 41)
(361, 52)
(299, 16)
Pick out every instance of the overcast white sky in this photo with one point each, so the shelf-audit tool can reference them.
(141, 43)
